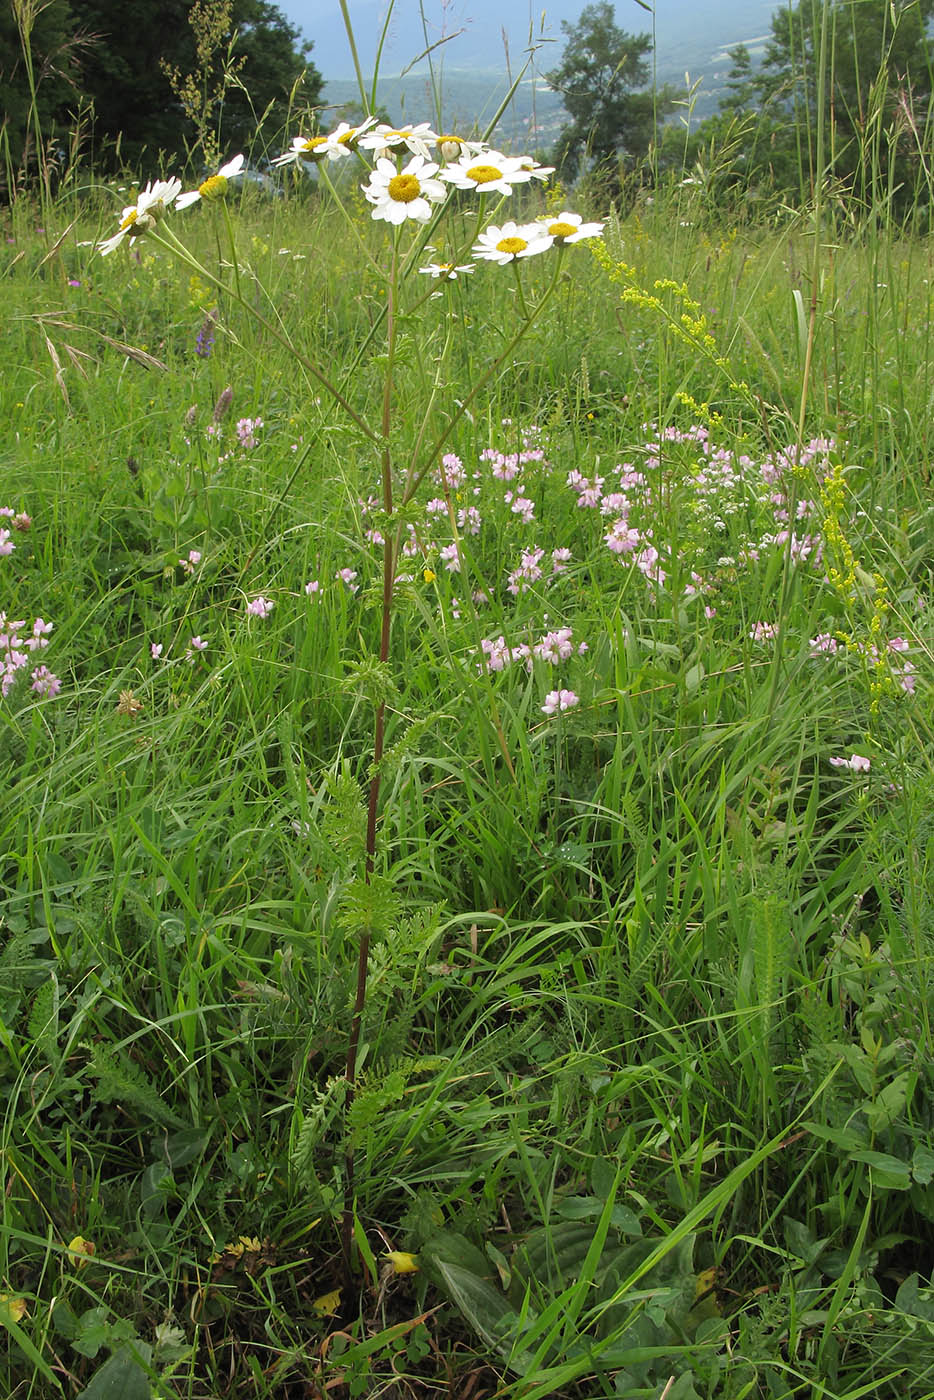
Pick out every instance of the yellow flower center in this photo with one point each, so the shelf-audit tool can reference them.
(484, 174)
(313, 143)
(511, 245)
(130, 219)
(404, 188)
(215, 187)
(347, 137)
(561, 229)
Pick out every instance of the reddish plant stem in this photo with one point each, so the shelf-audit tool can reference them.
(363, 952)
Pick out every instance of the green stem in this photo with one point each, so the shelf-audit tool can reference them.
(518, 282)
(173, 245)
(345, 13)
(415, 474)
(363, 954)
(325, 177)
(233, 250)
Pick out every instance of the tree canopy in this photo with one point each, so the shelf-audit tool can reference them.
(115, 62)
(599, 79)
(869, 64)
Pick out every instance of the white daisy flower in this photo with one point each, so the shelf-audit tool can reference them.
(488, 172)
(447, 270)
(407, 194)
(138, 218)
(336, 144)
(536, 171)
(343, 139)
(453, 147)
(416, 139)
(214, 187)
(570, 228)
(503, 245)
(303, 148)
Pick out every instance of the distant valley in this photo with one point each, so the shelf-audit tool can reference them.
(692, 37)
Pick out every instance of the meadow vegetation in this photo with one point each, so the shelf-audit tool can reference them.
(635, 1096)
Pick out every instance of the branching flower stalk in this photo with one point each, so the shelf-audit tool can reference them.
(411, 190)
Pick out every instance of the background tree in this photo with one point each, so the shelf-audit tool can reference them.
(877, 85)
(599, 77)
(136, 108)
(54, 53)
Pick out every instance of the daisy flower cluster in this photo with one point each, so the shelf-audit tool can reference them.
(411, 172)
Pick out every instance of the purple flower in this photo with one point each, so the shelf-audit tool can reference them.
(856, 762)
(557, 701)
(204, 342)
(451, 473)
(247, 429)
(260, 607)
(44, 683)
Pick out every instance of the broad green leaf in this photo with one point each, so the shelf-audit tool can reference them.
(120, 1378)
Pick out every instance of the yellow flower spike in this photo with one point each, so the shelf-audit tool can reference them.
(402, 1263)
(12, 1309)
(81, 1251)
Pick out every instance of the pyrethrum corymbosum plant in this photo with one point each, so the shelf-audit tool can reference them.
(430, 189)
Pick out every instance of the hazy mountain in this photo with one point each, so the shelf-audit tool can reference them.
(485, 39)
(689, 33)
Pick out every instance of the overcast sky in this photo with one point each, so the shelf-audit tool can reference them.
(689, 33)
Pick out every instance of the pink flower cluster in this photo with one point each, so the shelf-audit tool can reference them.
(21, 521)
(506, 466)
(557, 701)
(553, 648)
(451, 473)
(891, 657)
(857, 763)
(529, 569)
(260, 607)
(721, 491)
(247, 428)
(15, 652)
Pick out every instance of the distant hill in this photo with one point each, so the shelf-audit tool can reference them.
(692, 36)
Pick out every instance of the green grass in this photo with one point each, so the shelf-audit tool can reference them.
(644, 1073)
